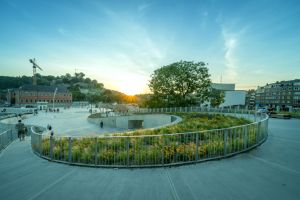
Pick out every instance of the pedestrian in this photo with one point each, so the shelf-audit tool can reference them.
(24, 133)
(49, 127)
(20, 116)
(20, 128)
(101, 124)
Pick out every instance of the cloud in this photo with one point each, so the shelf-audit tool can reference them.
(232, 39)
(258, 71)
(62, 31)
(230, 43)
(143, 7)
(134, 45)
(204, 19)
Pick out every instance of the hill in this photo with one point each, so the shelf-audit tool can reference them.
(81, 87)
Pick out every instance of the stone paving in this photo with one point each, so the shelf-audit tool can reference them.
(271, 171)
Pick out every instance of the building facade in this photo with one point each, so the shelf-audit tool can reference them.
(250, 99)
(232, 97)
(30, 95)
(223, 86)
(280, 95)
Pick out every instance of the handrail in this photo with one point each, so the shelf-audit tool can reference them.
(6, 137)
(152, 150)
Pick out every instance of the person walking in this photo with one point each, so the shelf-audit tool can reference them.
(101, 124)
(49, 127)
(24, 133)
(21, 129)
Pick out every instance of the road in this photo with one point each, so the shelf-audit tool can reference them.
(271, 171)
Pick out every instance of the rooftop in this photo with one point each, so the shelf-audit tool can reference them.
(44, 88)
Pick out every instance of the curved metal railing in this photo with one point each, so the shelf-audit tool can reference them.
(154, 150)
(7, 134)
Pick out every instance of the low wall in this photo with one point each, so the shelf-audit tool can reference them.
(149, 120)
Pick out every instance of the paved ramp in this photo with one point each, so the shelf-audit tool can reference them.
(272, 171)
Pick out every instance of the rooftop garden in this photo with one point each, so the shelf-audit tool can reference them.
(192, 122)
(156, 149)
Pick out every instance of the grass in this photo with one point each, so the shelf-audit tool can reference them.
(157, 149)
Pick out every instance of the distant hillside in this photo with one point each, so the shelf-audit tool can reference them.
(7, 82)
(82, 88)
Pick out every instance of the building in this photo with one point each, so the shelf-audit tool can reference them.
(250, 99)
(233, 98)
(31, 95)
(223, 86)
(282, 95)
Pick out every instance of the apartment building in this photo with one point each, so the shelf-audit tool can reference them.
(280, 95)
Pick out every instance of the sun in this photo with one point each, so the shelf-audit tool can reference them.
(132, 85)
(129, 89)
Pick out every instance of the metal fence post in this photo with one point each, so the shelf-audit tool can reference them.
(96, 151)
(70, 150)
(197, 144)
(245, 136)
(51, 147)
(225, 141)
(11, 136)
(0, 142)
(162, 151)
(127, 150)
(257, 132)
(40, 143)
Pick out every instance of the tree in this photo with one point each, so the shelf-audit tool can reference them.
(216, 97)
(179, 84)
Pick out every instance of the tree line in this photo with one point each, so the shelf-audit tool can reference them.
(81, 87)
(183, 83)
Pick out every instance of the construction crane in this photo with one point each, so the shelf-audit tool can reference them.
(34, 66)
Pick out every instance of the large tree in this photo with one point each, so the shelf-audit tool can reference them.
(216, 97)
(180, 84)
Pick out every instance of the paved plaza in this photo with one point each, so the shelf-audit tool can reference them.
(69, 122)
(271, 171)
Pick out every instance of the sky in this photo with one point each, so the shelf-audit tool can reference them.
(121, 43)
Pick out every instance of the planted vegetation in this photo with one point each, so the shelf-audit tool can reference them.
(192, 122)
(158, 146)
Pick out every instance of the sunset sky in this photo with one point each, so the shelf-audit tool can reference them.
(120, 43)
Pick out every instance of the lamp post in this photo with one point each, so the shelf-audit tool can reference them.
(53, 98)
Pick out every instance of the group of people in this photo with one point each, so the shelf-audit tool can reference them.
(52, 110)
(22, 130)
